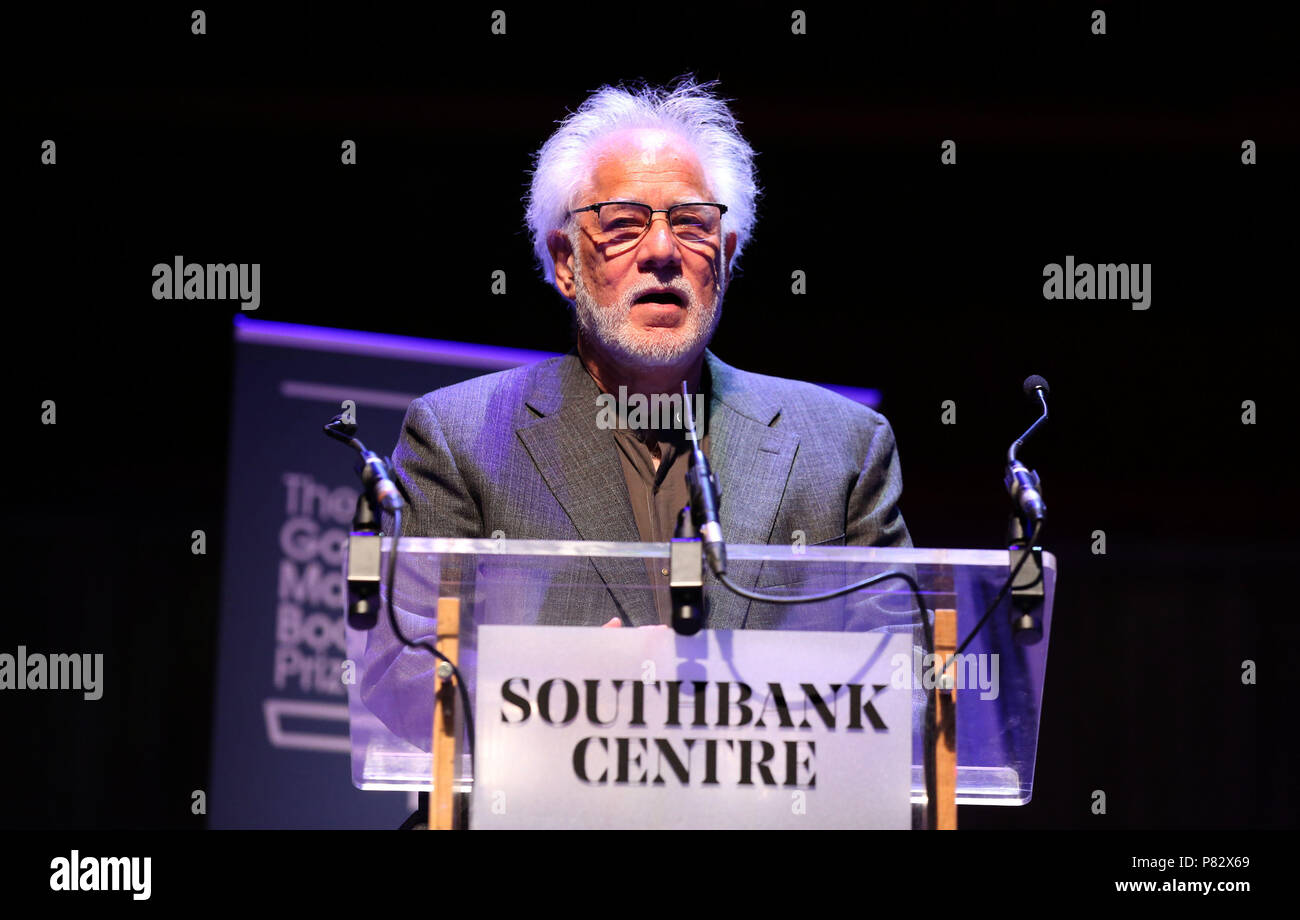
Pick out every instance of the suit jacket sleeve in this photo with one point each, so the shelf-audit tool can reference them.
(873, 517)
(439, 503)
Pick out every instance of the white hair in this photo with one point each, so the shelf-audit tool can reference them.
(685, 108)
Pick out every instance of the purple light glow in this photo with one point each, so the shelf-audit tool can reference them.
(432, 351)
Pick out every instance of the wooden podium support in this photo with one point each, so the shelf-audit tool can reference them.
(442, 802)
(944, 794)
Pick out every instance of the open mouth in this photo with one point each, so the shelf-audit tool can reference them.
(666, 298)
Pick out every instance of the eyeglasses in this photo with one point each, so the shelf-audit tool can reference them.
(621, 224)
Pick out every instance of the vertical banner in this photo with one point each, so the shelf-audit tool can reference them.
(280, 745)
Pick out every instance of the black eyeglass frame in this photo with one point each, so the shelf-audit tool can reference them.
(595, 208)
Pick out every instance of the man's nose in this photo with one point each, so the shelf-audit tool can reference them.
(659, 246)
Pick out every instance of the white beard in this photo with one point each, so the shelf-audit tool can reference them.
(610, 327)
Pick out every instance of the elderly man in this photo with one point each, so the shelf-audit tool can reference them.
(641, 203)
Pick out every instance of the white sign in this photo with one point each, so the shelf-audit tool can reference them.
(642, 728)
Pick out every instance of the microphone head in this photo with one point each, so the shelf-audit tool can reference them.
(1032, 383)
(345, 428)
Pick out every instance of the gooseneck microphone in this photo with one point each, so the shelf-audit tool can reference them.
(1021, 482)
(704, 495)
(1025, 529)
(373, 469)
(378, 492)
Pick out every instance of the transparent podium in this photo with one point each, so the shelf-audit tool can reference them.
(511, 599)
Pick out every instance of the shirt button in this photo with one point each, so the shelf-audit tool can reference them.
(663, 571)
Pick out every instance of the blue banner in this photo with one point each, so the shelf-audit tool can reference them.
(280, 746)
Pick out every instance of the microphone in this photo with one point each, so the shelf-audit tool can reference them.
(1033, 383)
(376, 477)
(1021, 482)
(372, 468)
(364, 557)
(704, 495)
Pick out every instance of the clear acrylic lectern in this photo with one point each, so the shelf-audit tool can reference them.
(575, 584)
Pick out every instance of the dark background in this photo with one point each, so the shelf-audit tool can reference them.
(924, 281)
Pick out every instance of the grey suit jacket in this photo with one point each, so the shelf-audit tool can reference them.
(520, 452)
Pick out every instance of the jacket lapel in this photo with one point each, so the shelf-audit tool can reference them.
(579, 463)
(752, 463)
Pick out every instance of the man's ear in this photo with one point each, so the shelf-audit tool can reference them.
(562, 256)
(729, 252)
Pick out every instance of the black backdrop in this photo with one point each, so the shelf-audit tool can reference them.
(924, 281)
